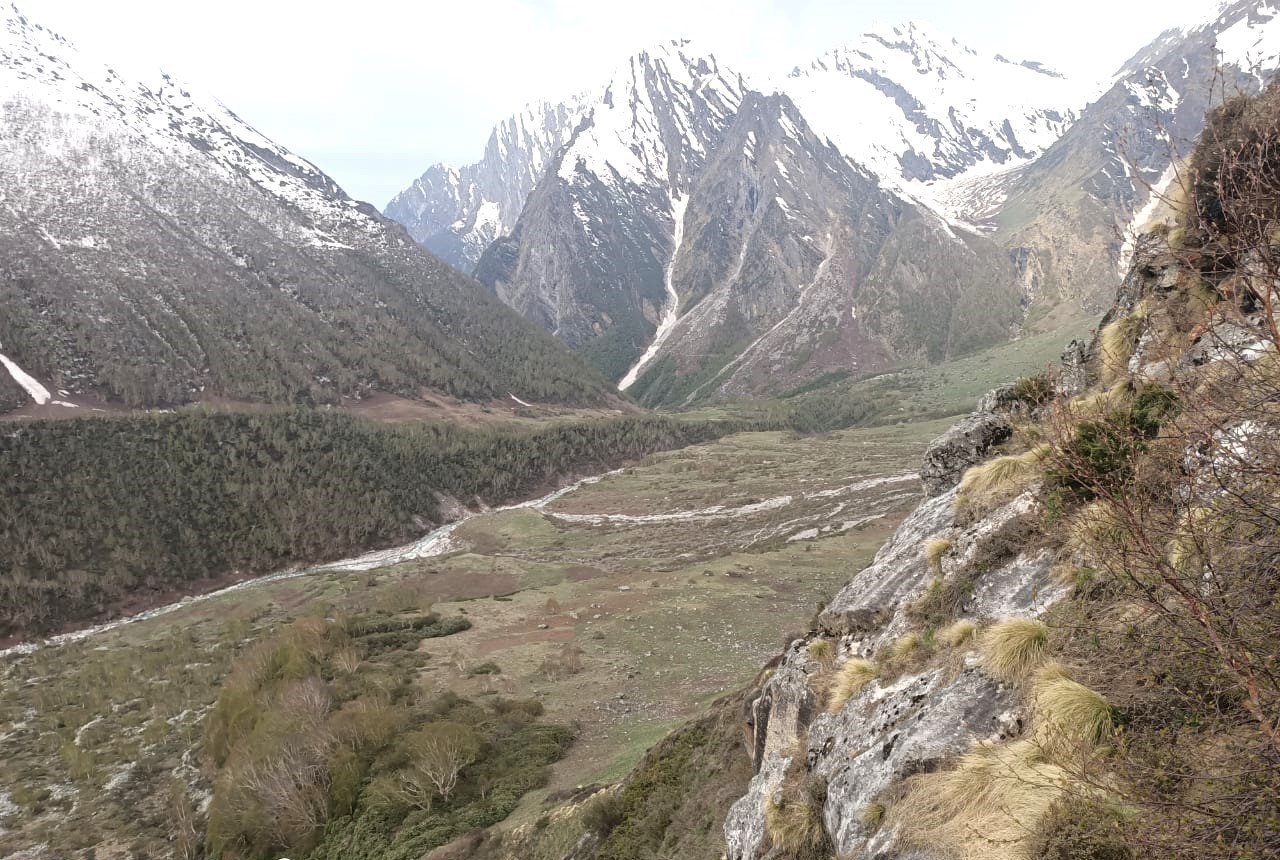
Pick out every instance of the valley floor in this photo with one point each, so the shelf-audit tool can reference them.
(625, 606)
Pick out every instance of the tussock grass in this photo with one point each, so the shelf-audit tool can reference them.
(852, 675)
(1012, 648)
(822, 651)
(1095, 527)
(1116, 343)
(1053, 670)
(872, 814)
(987, 807)
(934, 550)
(1094, 404)
(1068, 712)
(988, 485)
(904, 646)
(958, 633)
(793, 820)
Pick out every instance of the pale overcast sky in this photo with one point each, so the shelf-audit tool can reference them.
(375, 91)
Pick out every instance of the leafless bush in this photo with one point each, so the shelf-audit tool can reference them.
(566, 662)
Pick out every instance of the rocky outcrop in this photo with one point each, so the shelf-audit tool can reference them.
(887, 733)
(913, 718)
(1073, 374)
(963, 445)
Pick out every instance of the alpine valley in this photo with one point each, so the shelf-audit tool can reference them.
(875, 458)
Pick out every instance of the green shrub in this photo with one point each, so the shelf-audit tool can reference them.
(1102, 452)
(1034, 391)
(603, 812)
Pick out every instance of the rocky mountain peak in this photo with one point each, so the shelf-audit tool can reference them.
(659, 113)
(914, 106)
(458, 212)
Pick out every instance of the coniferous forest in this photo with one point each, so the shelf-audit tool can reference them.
(103, 509)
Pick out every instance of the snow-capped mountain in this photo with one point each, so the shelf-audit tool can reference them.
(155, 248)
(1070, 216)
(457, 213)
(1001, 176)
(794, 260)
(696, 236)
(589, 256)
(916, 107)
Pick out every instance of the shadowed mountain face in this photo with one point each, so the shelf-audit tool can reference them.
(589, 255)
(794, 259)
(156, 249)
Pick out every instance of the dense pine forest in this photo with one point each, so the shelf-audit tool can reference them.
(101, 510)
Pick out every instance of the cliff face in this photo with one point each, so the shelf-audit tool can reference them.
(961, 696)
(915, 717)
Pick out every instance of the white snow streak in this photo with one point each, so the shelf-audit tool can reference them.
(670, 313)
(1140, 219)
(38, 392)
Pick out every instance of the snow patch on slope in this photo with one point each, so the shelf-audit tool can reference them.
(34, 389)
(671, 311)
(624, 140)
(908, 104)
(1158, 194)
(45, 72)
(1253, 46)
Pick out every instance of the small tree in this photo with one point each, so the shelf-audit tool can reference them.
(438, 754)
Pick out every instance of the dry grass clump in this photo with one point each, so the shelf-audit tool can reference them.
(872, 814)
(1094, 527)
(823, 652)
(1067, 712)
(852, 675)
(1116, 343)
(1094, 404)
(958, 633)
(904, 646)
(793, 819)
(1012, 648)
(988, 485)
(987, 807)
(995, 802)
(934, 550)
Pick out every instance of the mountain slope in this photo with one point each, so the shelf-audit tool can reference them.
(795, 261)
(156, 249)
(696, 237)
(588, 256)
(1069, 215)
(456, 214)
